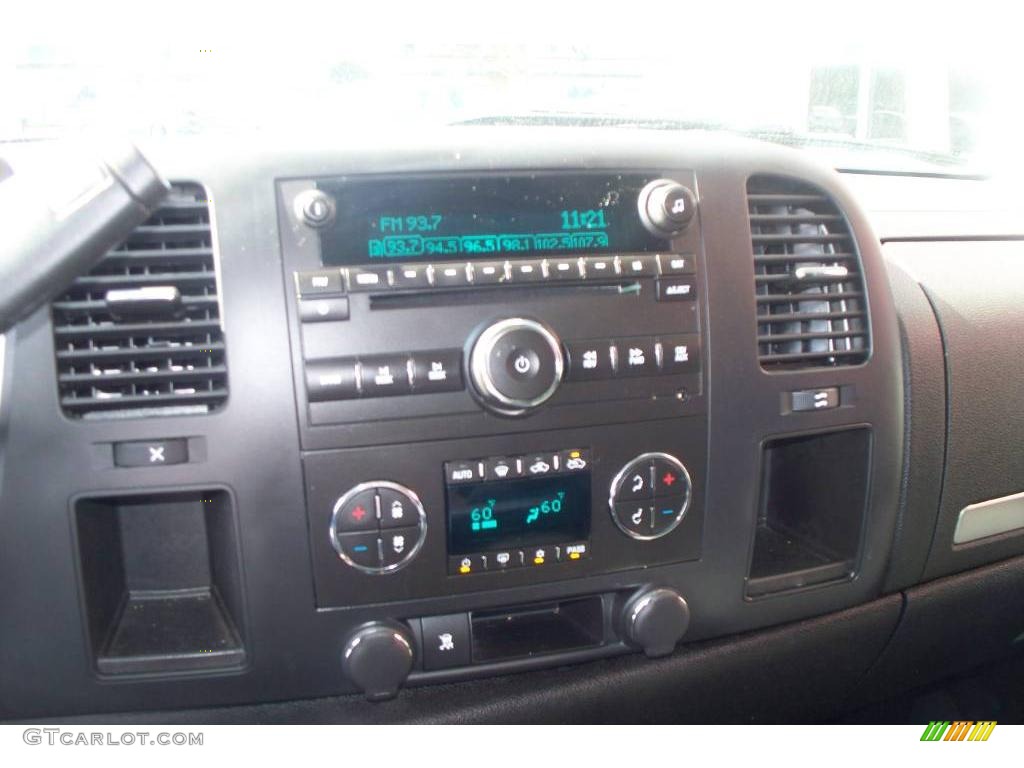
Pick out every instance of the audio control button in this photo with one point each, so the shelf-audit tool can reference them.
(598, 267)
(412, 276)
(676, 289)
(678, 263)
(437, 371)
(360, 549)
(382, 375)
(680, 354)
(515, 365)
(564, 269)
(488, 272)
(368, 279)
(589, 360)
(639, 265)
(451, 275)
(331, 380)
(528, 271)
(636, 357)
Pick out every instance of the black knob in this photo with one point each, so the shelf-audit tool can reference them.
(377, 659)
(315, 208)
(515, 365)
(655, 620)
(666, 207)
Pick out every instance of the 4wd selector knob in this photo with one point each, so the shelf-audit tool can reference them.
(666, 207)
(515, 365)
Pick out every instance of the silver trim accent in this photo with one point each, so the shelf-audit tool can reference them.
(165, 293)
(480, 374)
(375, 484)
(807, 273)
(616, 485)
(989, 518)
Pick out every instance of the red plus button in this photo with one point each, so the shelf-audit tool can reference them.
(667, 479)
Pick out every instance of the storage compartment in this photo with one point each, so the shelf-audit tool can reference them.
(161, 582)
(813, 496)
(532, 630)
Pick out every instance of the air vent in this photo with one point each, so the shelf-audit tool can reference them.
(811, 307)
(140, 335)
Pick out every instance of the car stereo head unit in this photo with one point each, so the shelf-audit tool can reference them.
(484, 217)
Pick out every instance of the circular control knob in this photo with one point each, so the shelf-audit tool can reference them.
(378, 527)
(649, 496)
(315, 208)
(378, 658)
(666, 207)
(516, 365)
(655, 620)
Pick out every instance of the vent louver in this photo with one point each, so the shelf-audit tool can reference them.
(140, 334)
(811, 307)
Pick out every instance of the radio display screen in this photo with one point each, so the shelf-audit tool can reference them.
(466, 218)
(519, 513)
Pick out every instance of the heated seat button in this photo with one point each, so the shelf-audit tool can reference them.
(360, 549)
(589, 359)
(635, 482)
(446, 641)
(358, 513)
(438, 371)
(383, 375)
(397, 544)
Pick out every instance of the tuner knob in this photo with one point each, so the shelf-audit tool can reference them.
(315, 208)
(666, 207)
(655, 620)
(516, 365)
(377, 659)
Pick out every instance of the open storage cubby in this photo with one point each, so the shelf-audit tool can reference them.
(161, 582)
(811, 517)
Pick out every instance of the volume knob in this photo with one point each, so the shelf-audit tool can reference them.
(516, 365)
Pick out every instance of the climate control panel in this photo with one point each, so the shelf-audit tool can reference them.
(378, 527)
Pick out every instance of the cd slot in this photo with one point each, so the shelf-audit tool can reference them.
(486, 294)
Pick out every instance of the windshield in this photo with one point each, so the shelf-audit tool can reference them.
(872, 90)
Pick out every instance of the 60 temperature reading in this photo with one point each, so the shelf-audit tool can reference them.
(546, 507)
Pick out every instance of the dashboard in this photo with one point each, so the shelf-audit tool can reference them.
(492, 425)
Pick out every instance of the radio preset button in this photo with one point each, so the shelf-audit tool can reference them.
(564, 269)
(412, 276)
(437, 371)
(638, 265)
(384, 375)
(529, 271)
(451, 275)
(489, 272)
(368, 279)
(598, 267)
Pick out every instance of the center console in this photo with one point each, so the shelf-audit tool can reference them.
(499, 376)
